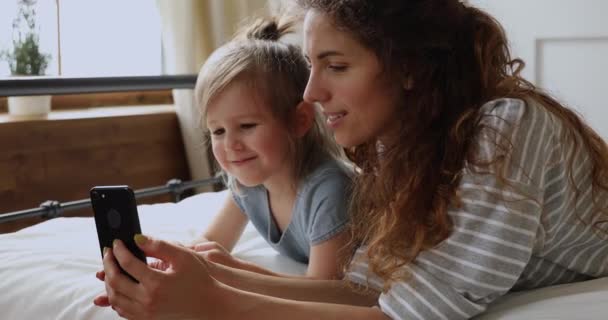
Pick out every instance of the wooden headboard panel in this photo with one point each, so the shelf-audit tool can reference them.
(61, 157)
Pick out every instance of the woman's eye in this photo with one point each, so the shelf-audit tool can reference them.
(248, 125)
(337, 68)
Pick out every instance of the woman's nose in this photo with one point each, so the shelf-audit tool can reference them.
(315, 91)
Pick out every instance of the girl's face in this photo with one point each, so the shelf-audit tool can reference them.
(247, 140)
(347, 80)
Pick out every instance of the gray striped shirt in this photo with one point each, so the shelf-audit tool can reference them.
(525, 235)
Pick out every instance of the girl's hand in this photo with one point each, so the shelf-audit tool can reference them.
(199, 240)
(183, 290)
(214, 252)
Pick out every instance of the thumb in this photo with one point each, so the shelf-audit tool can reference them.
(160, 249)
(206, 246)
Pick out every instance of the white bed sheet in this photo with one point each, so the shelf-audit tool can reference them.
(48, 270)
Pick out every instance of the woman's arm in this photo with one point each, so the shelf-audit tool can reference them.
(255, 306)
(251, 277)
(186, 289)
(302, 289)
(323, 262)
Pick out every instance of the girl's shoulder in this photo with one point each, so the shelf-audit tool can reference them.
(329, 174)
(332, 167)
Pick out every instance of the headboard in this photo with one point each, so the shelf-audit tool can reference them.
(62, 156)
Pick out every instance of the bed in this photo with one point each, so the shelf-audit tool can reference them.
(48, 270)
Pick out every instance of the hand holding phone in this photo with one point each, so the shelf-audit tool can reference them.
(116, 217)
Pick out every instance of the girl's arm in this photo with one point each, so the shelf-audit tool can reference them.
(323, 262)
(227, 226)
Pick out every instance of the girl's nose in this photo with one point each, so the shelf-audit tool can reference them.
(315, 90)
(233, 142)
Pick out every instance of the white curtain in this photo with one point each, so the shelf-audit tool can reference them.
(191, 30)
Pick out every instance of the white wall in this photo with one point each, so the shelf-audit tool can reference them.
(565, 46)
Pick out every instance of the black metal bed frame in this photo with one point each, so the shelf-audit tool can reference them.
(52, 209)
(28, 86)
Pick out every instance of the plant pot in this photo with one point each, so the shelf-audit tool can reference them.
(29, 105)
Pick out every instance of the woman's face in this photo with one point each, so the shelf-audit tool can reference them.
(347, 80)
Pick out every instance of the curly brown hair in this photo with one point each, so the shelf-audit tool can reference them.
(458, 58)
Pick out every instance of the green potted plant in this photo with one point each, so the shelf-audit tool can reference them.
(26, 59)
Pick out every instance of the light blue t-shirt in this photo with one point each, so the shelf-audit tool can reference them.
(319, 212)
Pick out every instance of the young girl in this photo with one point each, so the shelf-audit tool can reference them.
(282, 170)
(473, 181)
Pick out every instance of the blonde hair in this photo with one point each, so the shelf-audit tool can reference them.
(278, 73)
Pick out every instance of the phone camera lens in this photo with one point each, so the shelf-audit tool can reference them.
(95, 195)
(114, 218)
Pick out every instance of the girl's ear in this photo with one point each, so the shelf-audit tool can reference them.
(408, 83)
(304, 118)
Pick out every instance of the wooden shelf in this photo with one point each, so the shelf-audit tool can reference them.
(104, 112)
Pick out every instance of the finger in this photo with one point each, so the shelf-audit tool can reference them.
(101, 301)
(133, 266)
(115, 280)
(121, 303)
(221, 257)
(207, 256)
(159, 265)
(123, 313)
(126, 308)
(206, 246)
(201, 257)
(163, 250)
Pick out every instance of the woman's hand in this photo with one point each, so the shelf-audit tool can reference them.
(215, 252)
(183, 290)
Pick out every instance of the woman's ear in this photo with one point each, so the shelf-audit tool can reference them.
(304, 118)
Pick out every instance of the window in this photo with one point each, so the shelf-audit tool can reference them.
(98, 37)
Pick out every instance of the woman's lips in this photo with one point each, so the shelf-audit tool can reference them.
(334, 119)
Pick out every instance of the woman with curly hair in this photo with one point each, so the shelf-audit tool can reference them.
(472, 182)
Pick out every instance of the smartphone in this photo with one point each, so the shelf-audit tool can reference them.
(115, 212)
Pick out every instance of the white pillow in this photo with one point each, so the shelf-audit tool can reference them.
(581, 300)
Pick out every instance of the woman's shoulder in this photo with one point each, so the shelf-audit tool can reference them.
(508, 114)
(503, 109)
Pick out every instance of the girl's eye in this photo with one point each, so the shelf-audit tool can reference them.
(248, 125)
(218, 132)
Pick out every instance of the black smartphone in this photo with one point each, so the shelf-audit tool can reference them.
(115, 211)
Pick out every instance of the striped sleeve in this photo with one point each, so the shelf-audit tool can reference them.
(494, 229)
